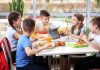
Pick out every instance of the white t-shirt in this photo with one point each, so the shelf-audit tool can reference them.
(12, 40)
(96, 40)
(39, 25)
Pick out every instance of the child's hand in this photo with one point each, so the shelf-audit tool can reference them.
(36, 45)
(81, 35)
(66, 31)
(48, 45)
(84, 37)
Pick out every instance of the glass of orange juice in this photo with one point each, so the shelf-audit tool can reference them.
(48, 39)
(33, 35)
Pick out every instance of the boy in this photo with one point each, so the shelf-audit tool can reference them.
(91, 62)
(24, 56)
(44, 24)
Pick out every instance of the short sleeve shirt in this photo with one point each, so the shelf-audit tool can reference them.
(10, 36)
(21, 57)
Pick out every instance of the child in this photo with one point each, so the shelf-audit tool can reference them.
(76, 29)
(91, 62)
(40, 25)
(13, 34)
(25, 57)
(44, 24)
(77, 26)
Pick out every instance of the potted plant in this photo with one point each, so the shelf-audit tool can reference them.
(17, 5)
(87, 31)
(98, 4)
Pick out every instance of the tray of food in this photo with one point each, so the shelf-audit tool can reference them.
(78, 44)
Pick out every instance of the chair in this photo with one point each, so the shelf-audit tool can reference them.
(3, 60)
(7, 49)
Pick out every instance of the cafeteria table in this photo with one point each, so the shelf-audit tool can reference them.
(66, 50)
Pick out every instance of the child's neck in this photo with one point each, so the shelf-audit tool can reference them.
(44, 24)
(26, 34)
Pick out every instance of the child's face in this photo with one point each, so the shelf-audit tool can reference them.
(45, 20)
(75, 21)
(93, 28)
(18, 22)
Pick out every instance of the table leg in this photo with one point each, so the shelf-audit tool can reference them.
(64, 62)
(49, 61)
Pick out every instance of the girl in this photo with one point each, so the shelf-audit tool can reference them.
(77, 26)
(91, 62)
(13, 33)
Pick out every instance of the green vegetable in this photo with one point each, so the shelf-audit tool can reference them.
(87, 31)
(41, 44)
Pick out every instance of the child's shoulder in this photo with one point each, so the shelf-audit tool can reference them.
(10, 31)
(10, 28)
(24, 38)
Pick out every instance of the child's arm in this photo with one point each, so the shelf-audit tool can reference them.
(17, 35)
(68, 32)
(90, 39)
(33, 40)
(97, 47)
(74, 36)
(33, 51)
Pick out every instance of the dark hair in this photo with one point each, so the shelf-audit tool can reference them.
(28, 25)
(80, 17)
(13, 16)
(96, 21)
(44, 13)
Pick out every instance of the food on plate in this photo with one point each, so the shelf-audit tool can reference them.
(41, 44)
(51, 45)
(41, 37)
(45, 37)
(62, 43)
(80, 43)
(59, 43)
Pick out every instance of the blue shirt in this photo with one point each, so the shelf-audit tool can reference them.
(21, 57)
